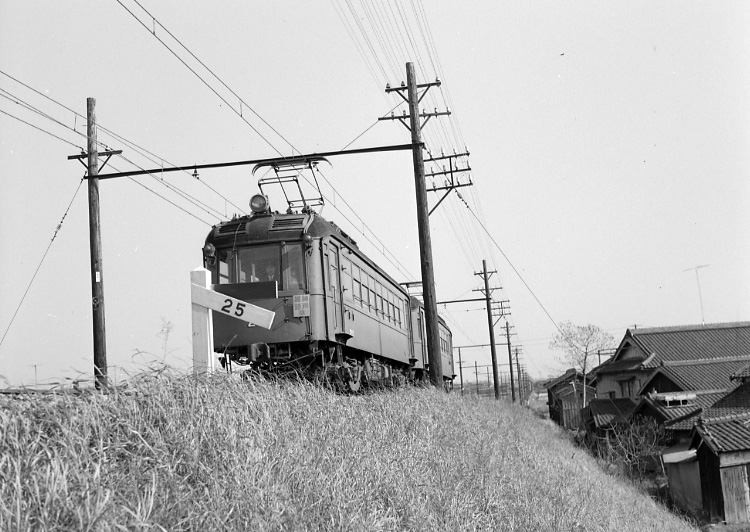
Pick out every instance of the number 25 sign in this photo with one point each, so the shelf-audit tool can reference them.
(230, 306)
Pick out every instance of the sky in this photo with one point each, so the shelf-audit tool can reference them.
(609, 153)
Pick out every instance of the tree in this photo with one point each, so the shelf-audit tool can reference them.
(579, 342)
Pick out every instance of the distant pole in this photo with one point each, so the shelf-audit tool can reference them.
(476, 374)
(510, 366)
(518, 374)
(95, 245)
(423, 226)
(493, 352)
(700, 296)
(461, 370)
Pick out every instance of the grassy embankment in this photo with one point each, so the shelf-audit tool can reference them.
(183, 454)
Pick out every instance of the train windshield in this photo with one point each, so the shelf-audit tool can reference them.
(266, 263)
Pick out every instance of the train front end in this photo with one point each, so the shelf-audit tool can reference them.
(265, 259)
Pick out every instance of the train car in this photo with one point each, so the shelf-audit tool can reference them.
(339, 317)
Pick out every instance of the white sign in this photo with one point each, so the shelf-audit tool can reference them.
(301, 305)
(252, 314)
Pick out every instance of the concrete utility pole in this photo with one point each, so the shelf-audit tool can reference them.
(95, 245)
(510, 361)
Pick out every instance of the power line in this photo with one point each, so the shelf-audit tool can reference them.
(44, 256)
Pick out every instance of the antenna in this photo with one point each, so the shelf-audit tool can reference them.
(697, 280)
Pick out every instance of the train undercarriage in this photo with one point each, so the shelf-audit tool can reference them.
(332, 365)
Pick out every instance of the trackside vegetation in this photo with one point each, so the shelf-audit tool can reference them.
(182, 453)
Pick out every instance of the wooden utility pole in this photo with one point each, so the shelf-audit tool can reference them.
(488, 299)
(412, 98)
(461, 370)
(518, 374)
(510, 368)
(95, 245)
(423, 226)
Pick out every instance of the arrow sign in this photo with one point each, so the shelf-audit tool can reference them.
(230, 306)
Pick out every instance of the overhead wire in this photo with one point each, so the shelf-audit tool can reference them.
(44, 256)
(142, 151)
(196, 202)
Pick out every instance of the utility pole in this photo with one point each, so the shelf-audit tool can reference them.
(423, 217)
(95, 245)
(488, 295)
(95, 242)
(518, 374)
(510, 361)
(461, 371)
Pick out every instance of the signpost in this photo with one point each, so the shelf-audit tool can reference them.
(204, 302)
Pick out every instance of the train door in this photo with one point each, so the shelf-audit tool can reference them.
(333, 295)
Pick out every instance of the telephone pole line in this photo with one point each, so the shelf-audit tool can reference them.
(423, 217)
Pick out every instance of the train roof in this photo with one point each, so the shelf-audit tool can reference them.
(278, 227)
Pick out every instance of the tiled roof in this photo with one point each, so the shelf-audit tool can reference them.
(742, 374)
(735, 402)
(693, 342)
(628, 364)
(701, 375)
(568, 376)
(607, 412)
(679, 417)
(726, 433)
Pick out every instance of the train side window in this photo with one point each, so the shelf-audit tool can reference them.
(379, 293)
(373, 296)
(223, 267)
(346, 278)
(366, 291)
(357, 284)
(292, 259)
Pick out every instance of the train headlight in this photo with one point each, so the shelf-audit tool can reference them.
(307, 239)
(209, 253)
(259, 204)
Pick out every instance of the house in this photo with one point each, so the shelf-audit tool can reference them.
(683, 351)
(722, 446)
(602, 415)
(565, 398)
(698, 482)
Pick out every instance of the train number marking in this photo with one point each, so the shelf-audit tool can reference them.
(230, 306)
(239, 307)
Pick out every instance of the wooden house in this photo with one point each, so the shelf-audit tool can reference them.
(702, 471)
(602, 415)
(722, 446)
(565, 398)
(632, 371)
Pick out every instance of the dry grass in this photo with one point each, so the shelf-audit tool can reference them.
(176, 453)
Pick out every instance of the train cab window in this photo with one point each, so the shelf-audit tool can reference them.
(223, 266)
(258, 264)
(292, 258)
